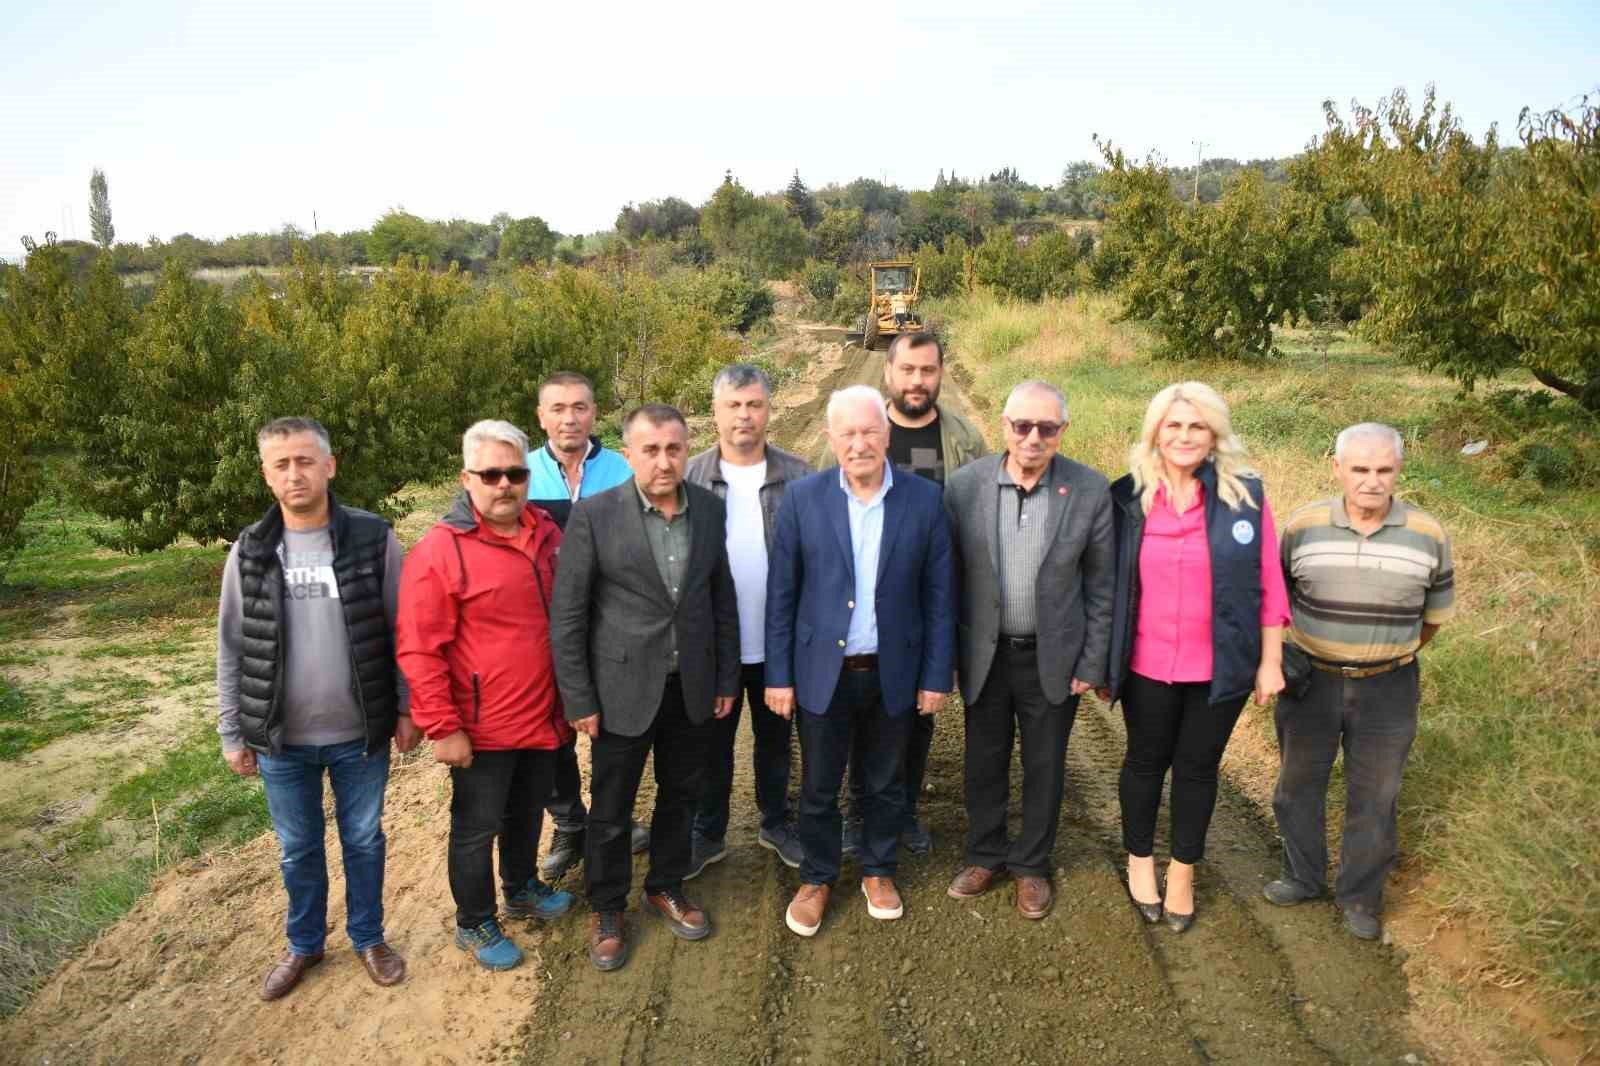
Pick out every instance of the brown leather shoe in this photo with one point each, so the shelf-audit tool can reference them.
(972, 882)
(804, 915)
(883, 899)
(384, 965)
(1033, 896)
(608, 941)
(286, 973)
(684, 918)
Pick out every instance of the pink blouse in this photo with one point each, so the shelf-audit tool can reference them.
(1173, 640)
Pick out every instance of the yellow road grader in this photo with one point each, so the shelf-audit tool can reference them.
(894, 285)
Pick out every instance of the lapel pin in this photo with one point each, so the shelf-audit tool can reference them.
(1061, 490)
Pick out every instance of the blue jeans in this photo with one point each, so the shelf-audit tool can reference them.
(293, 781)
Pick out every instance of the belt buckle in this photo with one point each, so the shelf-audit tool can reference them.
(1351, 671)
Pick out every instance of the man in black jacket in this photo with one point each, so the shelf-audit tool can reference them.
(307, 684)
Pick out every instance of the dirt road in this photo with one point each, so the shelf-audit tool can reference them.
(959, 983)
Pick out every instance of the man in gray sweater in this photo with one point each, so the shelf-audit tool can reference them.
(307, 685)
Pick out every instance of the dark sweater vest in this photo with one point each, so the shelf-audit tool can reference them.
(360, 547)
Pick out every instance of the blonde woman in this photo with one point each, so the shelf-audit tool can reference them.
(1197, 626)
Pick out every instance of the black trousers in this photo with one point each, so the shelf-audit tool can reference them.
(855, 726)
(771, 761)
(498, 795)
(566, 797)
(1012, 702)
(1375, 720)
(616, 765)
(913, 768)
(1172, 726)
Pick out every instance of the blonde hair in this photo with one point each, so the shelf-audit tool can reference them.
(1227, 452)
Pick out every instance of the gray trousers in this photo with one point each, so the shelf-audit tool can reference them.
(1374, 720)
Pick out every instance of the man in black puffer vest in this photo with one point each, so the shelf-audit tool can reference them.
(307, 684)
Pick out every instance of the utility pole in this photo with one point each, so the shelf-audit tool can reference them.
(1199, 148)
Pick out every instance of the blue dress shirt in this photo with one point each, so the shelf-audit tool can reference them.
(866, 536)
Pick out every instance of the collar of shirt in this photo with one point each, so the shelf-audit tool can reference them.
(883, 490)
(1396, 516)
(644, 501)
(1005, 478)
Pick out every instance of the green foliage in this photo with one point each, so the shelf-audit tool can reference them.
(1214, 280)
(528, 240)
(398, 234)
(1479, 260)
(667, 219)
(1535, 441)
(761, 233)
(820, 280)
(100, 226)
(734, 297)
(798, 201)
(943, 271)
(838, 236)
(670, 351)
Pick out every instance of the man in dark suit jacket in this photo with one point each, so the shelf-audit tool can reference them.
(1037, 559)
(646, 643)
(861, 638)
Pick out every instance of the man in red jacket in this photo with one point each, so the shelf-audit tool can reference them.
(473, 639)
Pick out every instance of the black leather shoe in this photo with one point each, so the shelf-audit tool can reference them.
(1151, 912)
(1284, 893)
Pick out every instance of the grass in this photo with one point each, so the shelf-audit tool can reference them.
(138, 625)
(1502, 797)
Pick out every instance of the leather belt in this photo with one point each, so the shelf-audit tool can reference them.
(1358, 670)
(1019, 643)
(860, 663)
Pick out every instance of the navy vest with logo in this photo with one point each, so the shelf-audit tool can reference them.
(1233, 536)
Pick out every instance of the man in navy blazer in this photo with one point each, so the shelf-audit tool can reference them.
(861, 603)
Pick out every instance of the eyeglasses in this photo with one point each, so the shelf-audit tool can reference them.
(1047, 430)
(516, 475)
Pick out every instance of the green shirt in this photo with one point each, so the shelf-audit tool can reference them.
(669, 546)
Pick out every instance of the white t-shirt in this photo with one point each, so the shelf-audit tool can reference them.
(747, 556)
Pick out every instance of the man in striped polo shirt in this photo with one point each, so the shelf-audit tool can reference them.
(1370, 582)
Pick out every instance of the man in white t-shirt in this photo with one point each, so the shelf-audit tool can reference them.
(749, 475)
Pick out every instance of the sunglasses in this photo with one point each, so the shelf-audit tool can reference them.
(516, 475)
(1047, 430)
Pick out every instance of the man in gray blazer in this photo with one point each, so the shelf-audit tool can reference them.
(1036, 555)
(646, 642)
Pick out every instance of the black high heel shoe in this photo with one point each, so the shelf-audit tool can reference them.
(1178, 923)
(1151, 912)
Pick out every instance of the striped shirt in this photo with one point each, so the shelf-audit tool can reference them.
(1364, 598)
(1023, 537)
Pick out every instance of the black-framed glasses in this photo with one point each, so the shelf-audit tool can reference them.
(491, 477)
(1047, 430)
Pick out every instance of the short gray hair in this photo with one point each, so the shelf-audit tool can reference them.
(1037, 385)
(740, 376)
(487, 431)
(843, 398)
(294, 425)
(1374, 431)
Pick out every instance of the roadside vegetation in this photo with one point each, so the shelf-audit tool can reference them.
(1501, 798)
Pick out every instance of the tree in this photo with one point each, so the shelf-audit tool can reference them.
(399, 233)
(1214, 279)
(528, 240)
(797, 198)
(100, 226)
(838, 236)
(1480, 260)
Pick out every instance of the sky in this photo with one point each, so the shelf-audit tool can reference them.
(218, 118)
